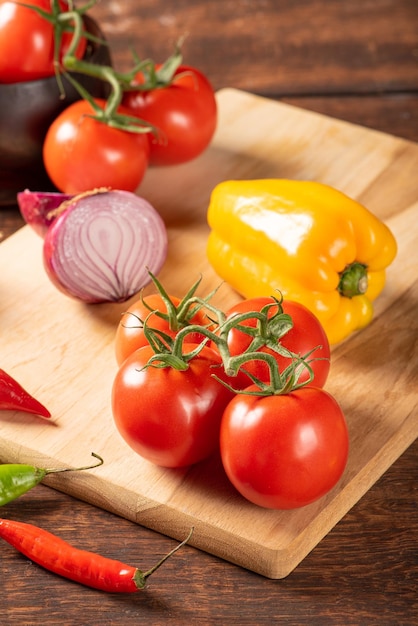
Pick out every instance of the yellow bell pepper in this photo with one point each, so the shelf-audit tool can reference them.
(305, 239)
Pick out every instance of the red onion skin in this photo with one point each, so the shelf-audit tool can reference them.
(51, 249)
(36, 206)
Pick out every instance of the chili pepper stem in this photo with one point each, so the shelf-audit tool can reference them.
(18, 478)
(77, 469)
(140, 578)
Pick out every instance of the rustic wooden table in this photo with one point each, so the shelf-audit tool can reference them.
(356, 61)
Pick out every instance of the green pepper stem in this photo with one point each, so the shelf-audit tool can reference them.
(353, 280)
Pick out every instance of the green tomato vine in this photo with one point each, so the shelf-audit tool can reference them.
(71, 21)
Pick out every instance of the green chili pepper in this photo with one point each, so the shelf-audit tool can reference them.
(17, 478)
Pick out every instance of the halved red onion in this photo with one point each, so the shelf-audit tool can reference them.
(37, 207)
(102, 247)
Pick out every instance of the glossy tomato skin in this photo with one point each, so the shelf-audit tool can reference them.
(81, 153)
(169, 417)
(184, 114)
(27, 42)
(307, 333)
(284, 452)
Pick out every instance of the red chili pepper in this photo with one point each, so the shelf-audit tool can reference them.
(14, 398)
(86, 568)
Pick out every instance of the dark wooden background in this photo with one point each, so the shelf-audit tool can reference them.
(356, 60)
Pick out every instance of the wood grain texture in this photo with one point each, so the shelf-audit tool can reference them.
(80, 360)
(365, 571)
(363, 574)
(395, 114)
(272, 45)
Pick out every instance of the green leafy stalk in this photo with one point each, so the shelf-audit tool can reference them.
(280, 383)
(178, 316)
(266, 332)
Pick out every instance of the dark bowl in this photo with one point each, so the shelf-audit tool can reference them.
(26, 112)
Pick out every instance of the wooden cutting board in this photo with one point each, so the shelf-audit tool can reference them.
(62, 350)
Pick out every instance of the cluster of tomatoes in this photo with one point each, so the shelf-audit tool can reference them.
(83, 149)
(283, 442)
(82, 152)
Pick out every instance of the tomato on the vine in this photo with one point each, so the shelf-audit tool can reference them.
(81, 153)
(27, 41)
(168, 416)
(307, 334)
(284, 451)
(184, 113)
(130, 331)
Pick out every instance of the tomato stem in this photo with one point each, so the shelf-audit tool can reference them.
(180, 315)
(266, 332)
(72, 21)
(156, 78)
(280, 383)
(76, 20)
(177, 316)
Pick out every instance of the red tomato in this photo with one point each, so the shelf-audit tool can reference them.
(130, 331)
(307, 333)
(284, 451)
(183, 112)
(27, 42)
(81, 153)
(169, 417)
